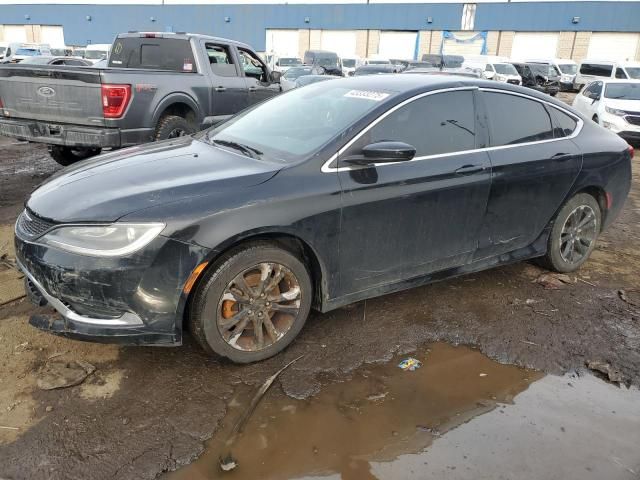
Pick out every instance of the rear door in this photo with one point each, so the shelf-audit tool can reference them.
(230, 92)
(407, 219)
(534, 163)
(586, 101)
(257, 77)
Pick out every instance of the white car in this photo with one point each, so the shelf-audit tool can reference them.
(590, 70)
(349, 65)
(96, 52)
(285, 63)
(614, 104)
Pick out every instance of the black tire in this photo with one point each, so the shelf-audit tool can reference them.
(173, 126)
(554, 259)
(65, 156)
(596, 119)
(205, 310)
(553, 94)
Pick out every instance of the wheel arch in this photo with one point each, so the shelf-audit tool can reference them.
(600, 195)
(288, 241)
(181, 105)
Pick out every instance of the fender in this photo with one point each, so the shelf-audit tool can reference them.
(173, 98)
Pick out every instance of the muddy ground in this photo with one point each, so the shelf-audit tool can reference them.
(145, 411)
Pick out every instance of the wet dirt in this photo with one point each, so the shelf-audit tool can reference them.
(380, 413)
(145, 411)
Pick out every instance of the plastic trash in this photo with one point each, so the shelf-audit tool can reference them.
(410, 364)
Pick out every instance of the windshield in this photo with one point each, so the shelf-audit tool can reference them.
(327, 61)
(3, 49)
(349, 62)
(297, 72)
(633, 72)
(286, 62)
(622, 91)
(27, 52)
(505, 69)
(291, 126)
(95, 54)
(568, 68)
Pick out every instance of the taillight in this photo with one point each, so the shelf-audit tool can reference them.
(630, 149)
(115, 99)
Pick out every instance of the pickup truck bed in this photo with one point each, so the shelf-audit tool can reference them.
(176, 84)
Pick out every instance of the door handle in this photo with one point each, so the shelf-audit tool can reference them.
(469, 169)
(220, 89)
(253, 89)
(561, 157)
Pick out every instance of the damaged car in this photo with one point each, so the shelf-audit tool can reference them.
(318, 198)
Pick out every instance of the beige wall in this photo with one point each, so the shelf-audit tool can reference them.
(581, 46)
(303, 42)
(315, 41)
(374, 42)
(361, 43)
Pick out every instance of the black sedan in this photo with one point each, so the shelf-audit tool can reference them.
(320, 197)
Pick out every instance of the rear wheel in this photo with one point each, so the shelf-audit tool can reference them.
(67, 155)
(173, 126)
(596, 119)
(573, 234)
(252, 304)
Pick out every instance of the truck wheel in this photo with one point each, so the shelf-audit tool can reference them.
(173, 126)
(66, 156)
(252, 303)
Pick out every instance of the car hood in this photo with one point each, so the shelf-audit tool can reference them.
(628, 105)
(110, 186)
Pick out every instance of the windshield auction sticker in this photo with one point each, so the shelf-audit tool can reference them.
(367, 95)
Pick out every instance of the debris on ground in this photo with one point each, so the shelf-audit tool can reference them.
(376, 397)
(228, 463)
(554, 281)
(604, 368)
(624, 296)
(64, 374)
(483, 374)
(410, 364)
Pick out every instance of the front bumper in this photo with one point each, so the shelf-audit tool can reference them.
(72, 135)
(134, 300)
(619, 125)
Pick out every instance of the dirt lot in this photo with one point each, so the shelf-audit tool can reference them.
(149, 410)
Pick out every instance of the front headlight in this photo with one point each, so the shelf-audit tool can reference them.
(103, 240)
(615, 111)
(500, 78)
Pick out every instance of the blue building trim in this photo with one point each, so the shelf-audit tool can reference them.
(248, 23)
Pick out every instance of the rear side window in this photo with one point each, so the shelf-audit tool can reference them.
(620, 73)
(596, 69)
(514, 119)
(435, 124)
(563, 124)
(221, 60)
(153, 54)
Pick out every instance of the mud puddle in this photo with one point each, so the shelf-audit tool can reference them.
(380, 413)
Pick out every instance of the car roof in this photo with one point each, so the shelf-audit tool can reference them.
(616, 80)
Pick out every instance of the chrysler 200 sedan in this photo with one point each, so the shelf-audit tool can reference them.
(323, 196)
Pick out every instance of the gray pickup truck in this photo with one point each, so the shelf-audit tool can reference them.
(156, 86)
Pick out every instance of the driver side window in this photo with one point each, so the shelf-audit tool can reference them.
(252, 66)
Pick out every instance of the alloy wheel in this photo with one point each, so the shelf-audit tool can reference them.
(259, 306)
(578, 234)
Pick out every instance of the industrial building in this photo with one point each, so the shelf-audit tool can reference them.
(566, 29)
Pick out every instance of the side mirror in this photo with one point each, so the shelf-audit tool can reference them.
(275, 76)
(384, 152)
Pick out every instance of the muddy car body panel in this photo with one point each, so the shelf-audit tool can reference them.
(362, 229)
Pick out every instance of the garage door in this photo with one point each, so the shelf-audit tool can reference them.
(15, 33)
(343, 42)
(534, 45)
(613, 46)
(284, 43)
(400, 45)
(53, 35)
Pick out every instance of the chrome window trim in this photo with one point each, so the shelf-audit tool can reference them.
(327, 169)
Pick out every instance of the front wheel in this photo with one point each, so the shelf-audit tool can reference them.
(252, 303)
(573, 234)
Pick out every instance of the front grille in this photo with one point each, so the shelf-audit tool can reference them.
(31, 227)
(633, 120)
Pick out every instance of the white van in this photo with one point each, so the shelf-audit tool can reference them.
(590, 70)
(349, 65)
(16, 52)
(96, 52)
(567, 69)
(494, 68)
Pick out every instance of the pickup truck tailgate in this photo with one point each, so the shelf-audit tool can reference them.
(52, 93)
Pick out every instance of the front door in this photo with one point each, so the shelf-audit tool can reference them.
(230, 93)
(534, 164)
(404, 220)
(257, 77)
